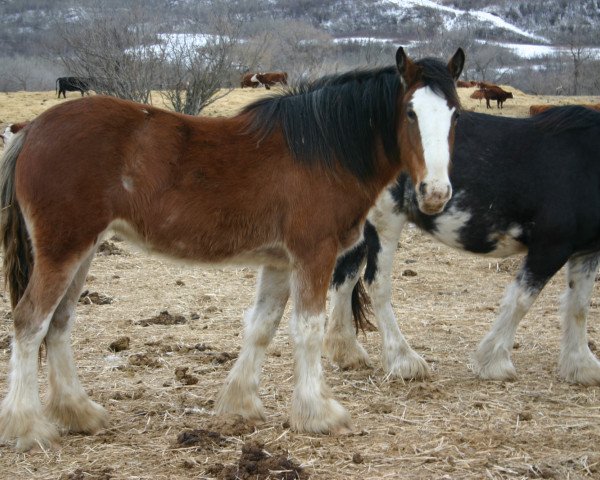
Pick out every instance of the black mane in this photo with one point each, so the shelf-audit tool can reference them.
(567, 117)
(337, 119)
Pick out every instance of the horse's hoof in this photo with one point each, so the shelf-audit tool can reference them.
(407, 366)
(324, 416)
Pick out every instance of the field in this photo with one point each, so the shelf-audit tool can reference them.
(452, 426)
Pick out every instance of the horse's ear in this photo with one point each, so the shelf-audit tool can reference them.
(456, 64)
(406, 68)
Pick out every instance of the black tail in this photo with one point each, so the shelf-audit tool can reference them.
(361, 308)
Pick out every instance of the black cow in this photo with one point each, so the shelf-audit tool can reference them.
(72, 84)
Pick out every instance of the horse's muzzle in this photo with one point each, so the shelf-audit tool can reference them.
(432, 198)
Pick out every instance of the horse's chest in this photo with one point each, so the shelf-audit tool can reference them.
(448, 227)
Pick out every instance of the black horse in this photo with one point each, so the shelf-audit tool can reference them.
(530, 184)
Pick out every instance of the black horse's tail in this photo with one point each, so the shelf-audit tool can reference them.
(361, 308)
(18, 258)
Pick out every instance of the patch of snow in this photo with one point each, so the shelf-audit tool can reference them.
(364, 40)
(538, 51)
(478, 14)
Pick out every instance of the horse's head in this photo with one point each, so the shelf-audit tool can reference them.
(428, 113)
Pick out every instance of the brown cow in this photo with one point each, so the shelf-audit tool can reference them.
(466, 83)
(484, 85)
(477, 95)
(535, 109)
(249, 80)
(271, 78)
(496, 93)
(489, 91)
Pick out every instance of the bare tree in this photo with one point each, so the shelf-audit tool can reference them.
(196, 69)
(198, 66)
(21, 72)
(374, 52)
(575, 37)
(580, 55)
(484, 62)
(27, 73)
(116, 53)
(300, 49)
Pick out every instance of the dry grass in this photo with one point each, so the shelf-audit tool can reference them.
(451, 426)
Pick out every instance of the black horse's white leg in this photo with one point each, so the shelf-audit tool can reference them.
(341, 344)
(492, 358)
(577, 364)
(399, 359)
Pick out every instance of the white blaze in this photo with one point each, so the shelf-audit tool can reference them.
(435, 119)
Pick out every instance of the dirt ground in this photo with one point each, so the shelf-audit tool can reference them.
(154, 341)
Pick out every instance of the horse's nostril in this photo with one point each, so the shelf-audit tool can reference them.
(422, 188)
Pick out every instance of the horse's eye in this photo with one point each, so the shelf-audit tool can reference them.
(412, 116)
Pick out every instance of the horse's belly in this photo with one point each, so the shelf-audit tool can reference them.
(204, 249)
(506, 243)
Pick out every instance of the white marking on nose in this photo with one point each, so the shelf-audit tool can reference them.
(435, 119)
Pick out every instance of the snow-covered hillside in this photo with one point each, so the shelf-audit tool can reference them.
(485, 17)
(25, 25)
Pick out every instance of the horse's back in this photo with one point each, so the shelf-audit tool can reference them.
(99, 160)
(527, 148)
(86, 146)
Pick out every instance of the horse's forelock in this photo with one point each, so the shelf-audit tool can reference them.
(435, 75)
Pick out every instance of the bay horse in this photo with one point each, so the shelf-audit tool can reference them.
(286, 184)
(535, 188)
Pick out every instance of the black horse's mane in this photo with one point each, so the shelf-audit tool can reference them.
(337, 119)
(567, 117)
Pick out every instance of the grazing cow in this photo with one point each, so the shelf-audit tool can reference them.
(72, 84)
(271, 78)
(477, 95)
(10, 131)
(250, 80)
(494, 92)
(535, 109)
